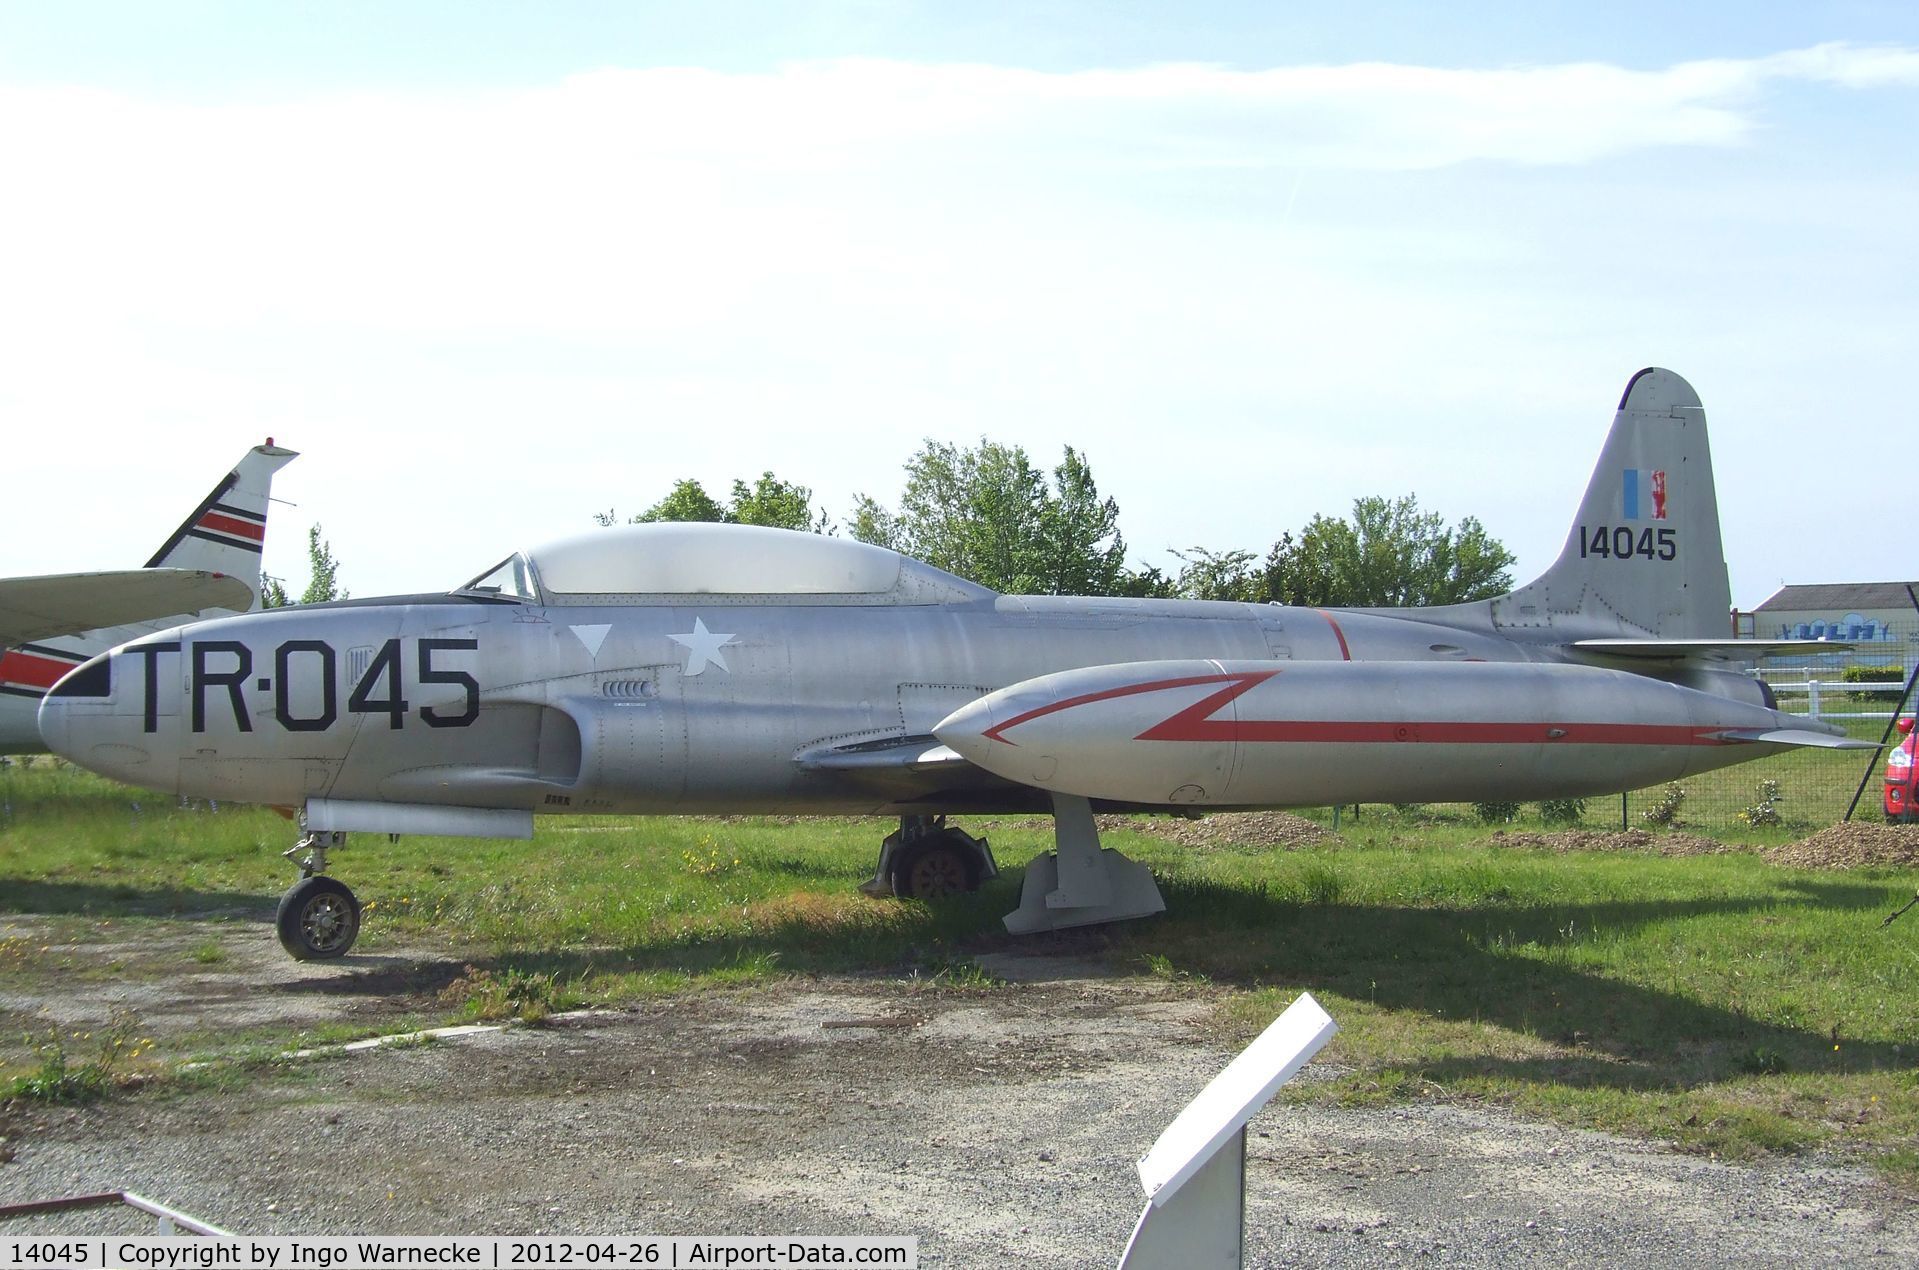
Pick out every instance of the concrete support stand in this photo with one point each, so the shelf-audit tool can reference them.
(1080, 883)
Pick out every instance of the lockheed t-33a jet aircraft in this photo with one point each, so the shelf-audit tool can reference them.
(720, 668)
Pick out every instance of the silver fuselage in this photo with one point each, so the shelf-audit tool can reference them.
(799, 707)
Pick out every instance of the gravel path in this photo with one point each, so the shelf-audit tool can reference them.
(1001, 1126)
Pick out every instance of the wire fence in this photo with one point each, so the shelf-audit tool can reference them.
(1857, 689)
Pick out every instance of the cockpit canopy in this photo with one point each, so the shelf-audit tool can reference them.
(747, 564)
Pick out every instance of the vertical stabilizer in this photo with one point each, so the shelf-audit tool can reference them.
(1644, 559)
(228, 530)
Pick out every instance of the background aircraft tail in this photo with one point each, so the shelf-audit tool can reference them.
(227, 531)
(1644, 559)
(225, 534)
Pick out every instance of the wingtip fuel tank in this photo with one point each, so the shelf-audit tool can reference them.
(1261, 734)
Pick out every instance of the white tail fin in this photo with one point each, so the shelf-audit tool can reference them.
(227, 531)
(1644, 559)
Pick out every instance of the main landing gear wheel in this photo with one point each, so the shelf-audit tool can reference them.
(318, 919)
(934, 869)
(926, 859)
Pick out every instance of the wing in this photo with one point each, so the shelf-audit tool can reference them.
(66, 603)
(1712, 649)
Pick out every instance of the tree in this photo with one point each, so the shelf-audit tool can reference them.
(988, 514)
(1074, 523)
(323, 581)
(688, 501)
(767, 501)
(1223, 575)
(1390, 554)
(776, 503)
(1146, 584)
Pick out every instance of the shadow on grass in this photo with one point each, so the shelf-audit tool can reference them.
(1457, 964)
(1444, 964)
(90, 899)
(1461, 965)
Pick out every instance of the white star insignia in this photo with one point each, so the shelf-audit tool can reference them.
(703, 648)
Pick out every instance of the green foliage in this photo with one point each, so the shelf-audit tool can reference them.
(59, 1079)
(527, 995)
(1562, 811)
(1766, 810)
(688, 501)
(1389, 554)
(1665, 812)
(323, 580)
(988, 514)
(1146, 584)
(1224, 575)
(1495, 813)
(1857, 674)
(777, 504)
(768, 501)
(1322, 882)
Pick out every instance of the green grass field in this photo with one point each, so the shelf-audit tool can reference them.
(1715, 1001)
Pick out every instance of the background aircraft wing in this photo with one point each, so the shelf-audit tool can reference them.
(66, 603)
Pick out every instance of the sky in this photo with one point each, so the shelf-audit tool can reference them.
(493, 268)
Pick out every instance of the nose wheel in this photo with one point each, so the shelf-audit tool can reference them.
(319, 918)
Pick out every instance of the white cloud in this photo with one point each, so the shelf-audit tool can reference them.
(647, 200)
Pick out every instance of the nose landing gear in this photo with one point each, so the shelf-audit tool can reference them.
(319, 918)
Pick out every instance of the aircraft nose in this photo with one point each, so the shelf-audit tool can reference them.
(86, 718)
(90, 682)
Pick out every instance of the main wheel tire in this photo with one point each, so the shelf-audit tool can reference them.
(318, 919)
(934, 870)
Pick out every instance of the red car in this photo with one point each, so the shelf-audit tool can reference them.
(1902, 799)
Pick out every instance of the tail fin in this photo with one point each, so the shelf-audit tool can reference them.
(227, 531)
(1644, 559)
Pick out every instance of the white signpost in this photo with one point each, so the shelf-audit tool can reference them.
(1195, 1175)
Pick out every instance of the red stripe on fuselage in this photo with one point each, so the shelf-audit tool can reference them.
(232, 525)
(17, 667)
(1345, 653)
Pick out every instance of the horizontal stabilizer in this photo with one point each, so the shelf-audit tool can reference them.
(67, 603)
(1797, 736)
(1715, 649)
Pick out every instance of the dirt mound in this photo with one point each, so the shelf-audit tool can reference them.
(1232, 829)
(1851, 846)
(1612, 840)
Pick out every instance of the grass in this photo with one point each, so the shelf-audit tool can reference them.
(1716, 1001)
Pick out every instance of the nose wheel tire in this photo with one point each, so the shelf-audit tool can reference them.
(318, 919)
